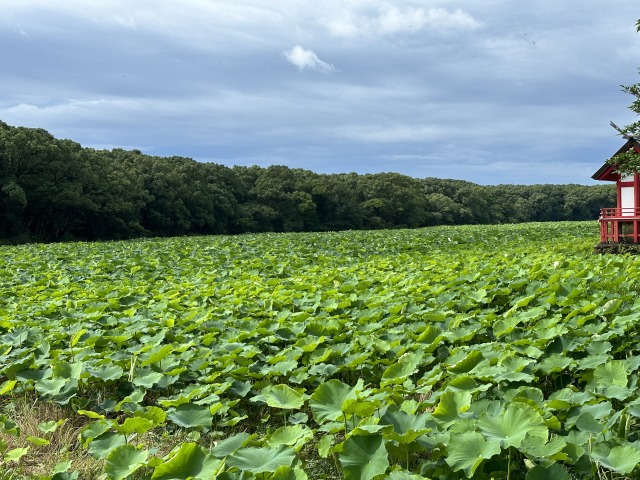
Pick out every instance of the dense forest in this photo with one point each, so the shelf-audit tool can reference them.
(54, 190)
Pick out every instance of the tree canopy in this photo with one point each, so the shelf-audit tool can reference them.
(54, 190)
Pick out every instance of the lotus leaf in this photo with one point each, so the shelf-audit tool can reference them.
(261, 460)
(364, 457)
(327, 400)
(123, 460)
(512, 426)
(280, 396)
(469, 450)
(189, 415)
(189, 462)
(552, 472)
(621, 459)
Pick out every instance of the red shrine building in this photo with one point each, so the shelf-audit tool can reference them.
(621, 224)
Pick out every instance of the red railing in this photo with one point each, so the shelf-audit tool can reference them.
(620, 225)
(619, 212)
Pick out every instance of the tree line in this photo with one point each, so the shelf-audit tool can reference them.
(55, 190)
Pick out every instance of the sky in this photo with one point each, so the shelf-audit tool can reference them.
(491, 91)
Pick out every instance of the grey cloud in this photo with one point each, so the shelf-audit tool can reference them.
(479, 91)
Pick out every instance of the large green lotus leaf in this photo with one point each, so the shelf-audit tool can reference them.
(507, 375)
(322, 370)
(531, 393)
(148, 380)
(513, 425)
(281, 368)
(106, 372)
(231, 444)
(550, 451)
(288, 473)
(505, 326)
(563, 343)
(156, 415)
(95, 429)
(122, 461)
(134, 425)
(587, 423)
(547, 332)
(599, 411)
(327, 400)
(155, 355)
(612, 373)
(309, 344)
(621, 459)
(190, 462)
(610, 307)
(598, 347)
(451, 406)
(398, 372)
(280, 396)
(360, 408)
(17, 366)
(565, 398)
(50, 387)
(240, 389)
(404, 475)
(465, 382)
(468, 450)
(261, 460)
(466, 363)
(100, 446)
(553, 472)
(633, 410)
(632, 363)
(189, 415)
(364, 457)
(554, 363)
(430, 337)
(592, 361)
(295, 436)
(406, 427)
(136, 397)
(67, 370)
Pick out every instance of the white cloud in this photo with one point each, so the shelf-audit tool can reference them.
(303, 59)
(445, 19)
(390, 20)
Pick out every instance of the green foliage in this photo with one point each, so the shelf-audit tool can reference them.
(626, 162)
(364, 457)
(261, 460)
(470, 449)
(56, 190)
(122, 461)
(448, 352)
(189, 462)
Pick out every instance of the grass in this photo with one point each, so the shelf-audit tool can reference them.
(63, 443)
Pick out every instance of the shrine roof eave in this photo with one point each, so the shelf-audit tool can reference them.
(607, 172)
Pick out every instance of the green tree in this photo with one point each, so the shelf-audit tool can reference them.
(391, 200)
(116, 191)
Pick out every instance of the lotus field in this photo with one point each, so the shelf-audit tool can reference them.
(482, 352)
